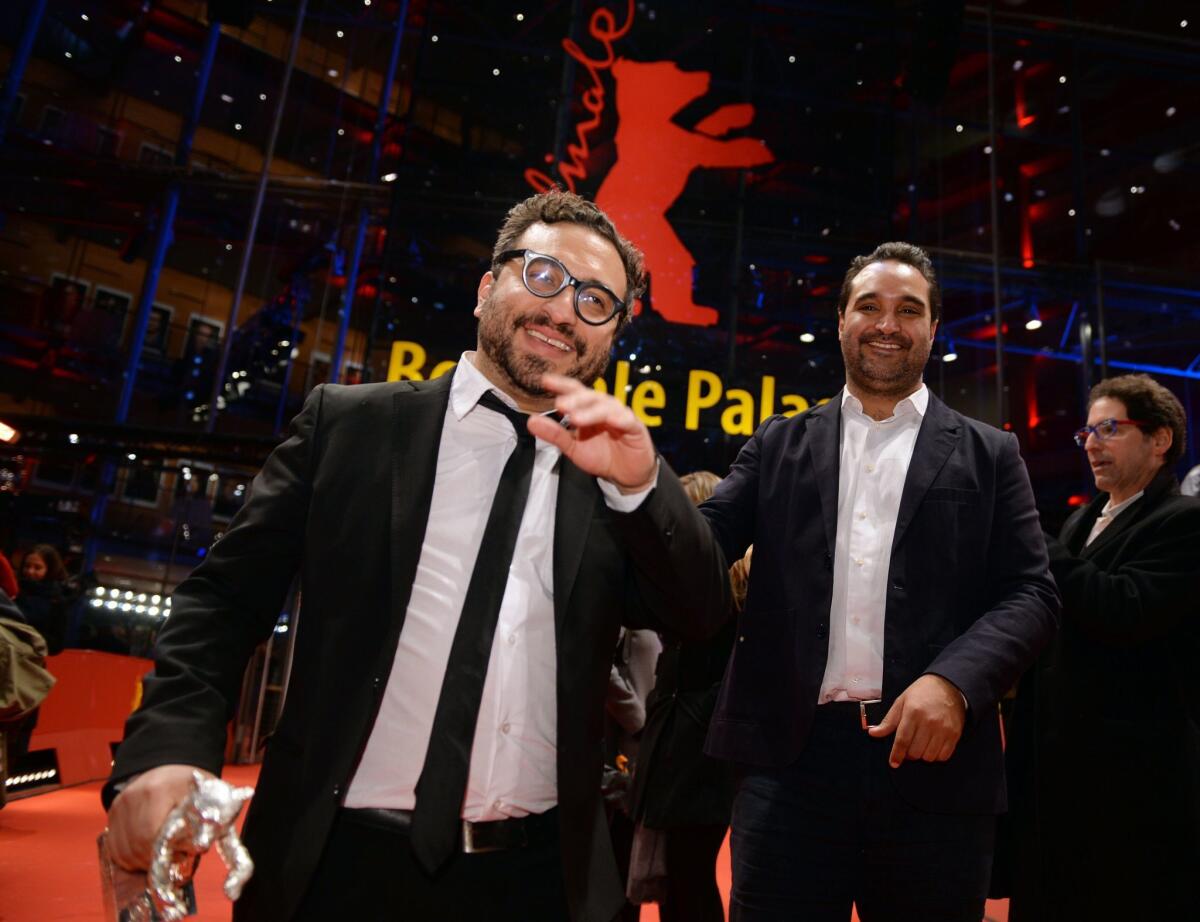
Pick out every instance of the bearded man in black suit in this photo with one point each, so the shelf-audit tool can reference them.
(439, 753)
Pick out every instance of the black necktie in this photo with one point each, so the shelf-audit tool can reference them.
(443, 781)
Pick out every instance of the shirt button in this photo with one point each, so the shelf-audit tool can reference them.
(859, 561)
(855, 619)
(854, 680)
(505, 727)
(870, 468)
(862, 515)
(499, 805)
(512, 639)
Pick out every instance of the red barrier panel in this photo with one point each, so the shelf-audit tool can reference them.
(85, 712)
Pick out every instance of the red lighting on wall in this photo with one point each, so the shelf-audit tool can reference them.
(1024, 119)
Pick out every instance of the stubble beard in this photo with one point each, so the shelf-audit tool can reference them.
(524, 370)
(879, 378)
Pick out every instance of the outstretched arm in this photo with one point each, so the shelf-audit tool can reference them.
(221, 612)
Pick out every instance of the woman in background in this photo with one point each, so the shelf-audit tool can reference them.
(44, 595)
(44, 605)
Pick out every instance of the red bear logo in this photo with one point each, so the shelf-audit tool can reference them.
(655, 156)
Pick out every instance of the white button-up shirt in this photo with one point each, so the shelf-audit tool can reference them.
(513, 769)
(874, 465)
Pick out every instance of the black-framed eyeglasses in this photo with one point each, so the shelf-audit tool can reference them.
(544, 276)
(1105, 429)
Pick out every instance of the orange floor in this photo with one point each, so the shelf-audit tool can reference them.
(48, 870)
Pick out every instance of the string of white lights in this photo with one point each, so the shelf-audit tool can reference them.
(152, 604)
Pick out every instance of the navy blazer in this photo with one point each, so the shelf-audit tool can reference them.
(969, 595)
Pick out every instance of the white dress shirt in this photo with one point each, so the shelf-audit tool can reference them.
(513, 769)
(874, 465)
(1110, 512)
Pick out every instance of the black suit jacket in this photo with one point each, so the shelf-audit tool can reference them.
(345, 500)
(969, 597)
(1103, 758)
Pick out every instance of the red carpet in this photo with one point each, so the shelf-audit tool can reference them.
(48, 867)
(48, 870)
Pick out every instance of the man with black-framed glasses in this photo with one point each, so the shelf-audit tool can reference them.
(464, 581)
(1104, 755)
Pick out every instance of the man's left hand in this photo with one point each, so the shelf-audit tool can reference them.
(605, 438)
(927, 719)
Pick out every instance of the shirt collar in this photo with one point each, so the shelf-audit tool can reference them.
(469, 385)
(917, 402)
(1110, 510)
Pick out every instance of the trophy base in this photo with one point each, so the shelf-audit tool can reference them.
(126, 894)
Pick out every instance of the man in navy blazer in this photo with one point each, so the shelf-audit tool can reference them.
(900, 588)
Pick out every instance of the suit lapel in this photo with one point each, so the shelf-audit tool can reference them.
(824, 427)
(936, 438)
(418, 414)
(575, 506)
(1079, 526)
(1163, 484)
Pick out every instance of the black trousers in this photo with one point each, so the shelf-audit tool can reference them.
(367, 873)
(829, 830)
(692, 893)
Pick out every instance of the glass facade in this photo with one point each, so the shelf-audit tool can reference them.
(1044, 152)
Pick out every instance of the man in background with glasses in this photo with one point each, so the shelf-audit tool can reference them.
(1103, 760)
(439, 754)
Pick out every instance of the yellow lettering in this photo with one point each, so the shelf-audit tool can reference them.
(738, 417)
(405, 362)
(649, 395)
(793, 404)
(767, 398)
(621, 383)
(600, 385)
(704, 390)
(442, 367)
